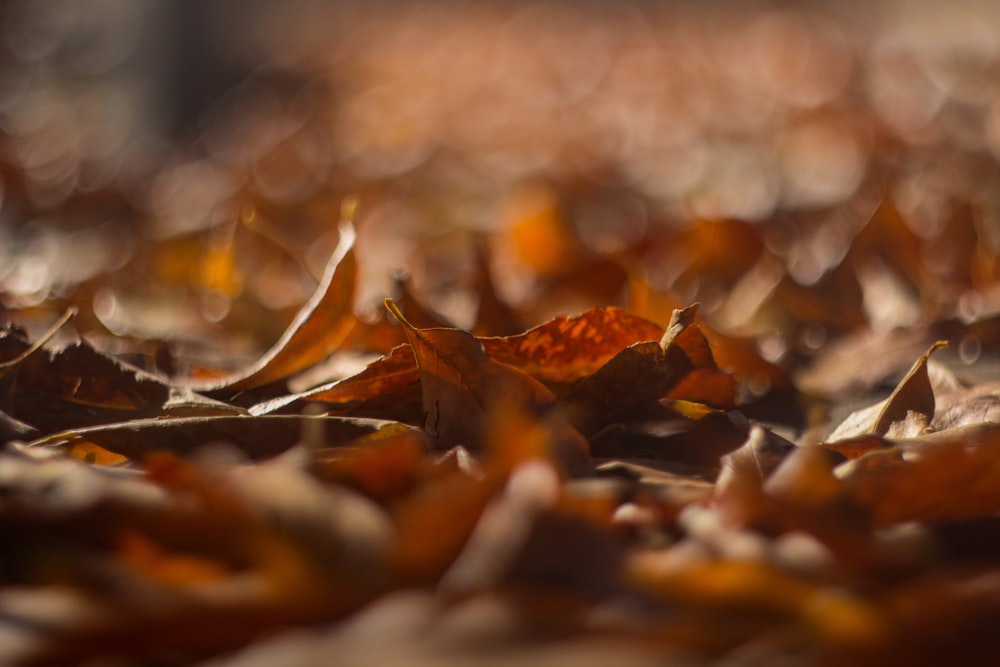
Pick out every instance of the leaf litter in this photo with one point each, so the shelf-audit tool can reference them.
(714, 441)
(594, 462)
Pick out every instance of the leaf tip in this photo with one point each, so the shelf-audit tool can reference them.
(348, 217)
(938, 345)
(349, 209)
(680, 320)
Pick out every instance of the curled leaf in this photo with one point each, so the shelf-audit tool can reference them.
(320, 326)
(9, 366)
(465, 392)
(907, 412)
(913, 398)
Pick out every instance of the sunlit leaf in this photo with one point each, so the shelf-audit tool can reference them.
(321, 325)
(633, 381)
(907, 412)
(464, 390)
(566, 349)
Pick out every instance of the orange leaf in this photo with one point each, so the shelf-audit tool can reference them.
(464, 389)
(566, 349)
(318, 329)
(174, 569)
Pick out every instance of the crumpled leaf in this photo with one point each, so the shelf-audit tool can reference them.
(560, 351)
(761, 386)
(633, 381)
(78, 386)
(464, 390)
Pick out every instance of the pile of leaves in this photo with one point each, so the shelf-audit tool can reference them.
(701, 372)
(606, 485)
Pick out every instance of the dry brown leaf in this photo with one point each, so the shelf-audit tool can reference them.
(389, 384)
(951, 474)
(907, 412)
(257, 437)
(910, 408)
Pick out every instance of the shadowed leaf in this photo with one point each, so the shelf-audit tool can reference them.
(257, 437)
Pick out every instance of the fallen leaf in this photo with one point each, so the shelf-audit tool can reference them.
(257, 437)
(630, 385)
(21, 350)
(916, 478)
(907, 412)
(912, 402)
(494, 316)
(389, 384)
(463, 388)
(560, 351)
(383, 465)
(566, 349)
(78, 386)
(319, 328)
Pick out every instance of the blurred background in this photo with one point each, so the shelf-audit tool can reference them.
(164, 141)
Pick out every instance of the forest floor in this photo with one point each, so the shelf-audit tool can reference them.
(590, 333)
